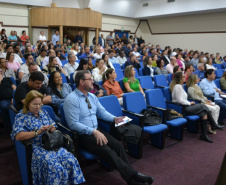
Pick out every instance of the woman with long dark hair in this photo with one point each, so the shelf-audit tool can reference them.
(191, 108)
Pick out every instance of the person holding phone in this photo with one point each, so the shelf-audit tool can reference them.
(99, 70)
(53, 66)
(188, 71)
(48, 167)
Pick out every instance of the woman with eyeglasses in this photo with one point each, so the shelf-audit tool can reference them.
(58, 90)
(191, 108)
(12, 64)
(48, 167)
(6, 72)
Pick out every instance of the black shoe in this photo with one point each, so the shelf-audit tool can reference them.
(218, 127)
(143, 178)
(132, 181)
(205, 138)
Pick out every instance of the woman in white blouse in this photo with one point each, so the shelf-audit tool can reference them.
(191, 108)
(209, 64)
(98, 70)
(195, 92)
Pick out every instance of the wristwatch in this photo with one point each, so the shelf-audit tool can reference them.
(36, 133)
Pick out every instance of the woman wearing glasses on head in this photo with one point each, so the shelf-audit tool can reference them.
(48, 167)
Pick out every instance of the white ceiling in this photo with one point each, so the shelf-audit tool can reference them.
(134, 8)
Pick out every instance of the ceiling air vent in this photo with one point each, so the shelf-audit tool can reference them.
(170, 1)
(145, 4)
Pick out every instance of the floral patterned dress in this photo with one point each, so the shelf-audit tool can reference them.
(48, 167)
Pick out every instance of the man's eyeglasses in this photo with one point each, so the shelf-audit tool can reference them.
(91, 79)
(89, 105)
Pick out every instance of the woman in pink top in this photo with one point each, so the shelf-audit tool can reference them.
(180, 61)
(14, 65)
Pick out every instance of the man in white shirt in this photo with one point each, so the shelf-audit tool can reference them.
(121, 59)
(42, 37)
(98, 53)
(171, 65)
(137, 54)
(72, 65)
(103, 40)
(46, 59)
(24, 68)
(9, 48)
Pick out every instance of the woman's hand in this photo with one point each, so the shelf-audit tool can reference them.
(42, 129)
(52, 129)
(192, 103)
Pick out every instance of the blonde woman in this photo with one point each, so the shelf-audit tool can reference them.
(191, 108)
(48, 167)
(195, 92)
(130, 82)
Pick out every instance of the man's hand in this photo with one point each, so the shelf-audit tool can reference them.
(101, 139)
(119, 119)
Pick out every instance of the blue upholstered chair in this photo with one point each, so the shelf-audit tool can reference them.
(146, 82)
(141, 72)
(160, 82)
(156, 100)
(136, 74)
(219, 73)
(169, 78)
(111, 104)
(218, 84)
(134, 103)
(71, 78)
(120, 74)
(117, 66)
(64, 62)
(192, 120)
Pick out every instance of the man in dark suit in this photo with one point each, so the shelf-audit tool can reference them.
(102, 40)
(78, 38)
(135, 39)
(165, 57)
(140, 41)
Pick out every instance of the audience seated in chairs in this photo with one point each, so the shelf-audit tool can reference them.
(41, 57)
(71, 66)
(51, 53)
(154, 58)
(112, 86)
(6, 72)
(171, 65)
(32, 67)
(48, 167)
(6, 94)
(133, 61)
(160, 69)
(12, 64)
(98, 71)
(188, 71)
(209, 88)
(180, 61)
(200, 71)
(191, 108)
(209, 64)
(107, 63)
(34, 83)
(81, 109)
(130, 82)
(121, 59)
(223, 81)
(148, 70)
(90, 65)
(195, 92)
(83, 65)
(24, 68)
(58, 90)
(53, 66)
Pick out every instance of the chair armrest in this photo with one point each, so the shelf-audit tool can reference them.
(209, 97)
(27, 143)
(175, 103)
(158, 108)
(159, 86)
(144, 89)
(194, 99)
(107, 122)
(140, 116)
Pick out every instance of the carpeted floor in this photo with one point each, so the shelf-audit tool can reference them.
(190, 162)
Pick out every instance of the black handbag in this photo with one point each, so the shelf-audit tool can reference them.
(151, 117)
(172, 114)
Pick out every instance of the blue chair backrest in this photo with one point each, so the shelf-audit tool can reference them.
(50, 111)
(136, 74)
(100, 83)
(155, 98)
(146, 82)
(141, 63)
(123, 67)
(167, 94)
(119, 74)
(195, 67)
(161, 80)
(64, 79)
(217, 82)
(121, 84)
(111, 104)
(134, 102)
(78, 61)
(218, 66)
(185, 88)
(219, 73)
(13, 80)
(14, 101)
(62, 115)
(94, 61)
(73, 87)
(64, 62)
(169, 78)
(117, 66)
(141, 71)
(23, 60)
(71, 78)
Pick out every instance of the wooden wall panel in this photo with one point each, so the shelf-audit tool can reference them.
(66, 17)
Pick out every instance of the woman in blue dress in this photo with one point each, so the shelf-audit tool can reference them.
(48, 167)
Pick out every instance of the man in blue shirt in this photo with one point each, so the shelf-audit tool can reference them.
(112, 59)
(79, 38)
(81, 109)
(87, 54)
(55, 37)
(200, 71)
(209, 88)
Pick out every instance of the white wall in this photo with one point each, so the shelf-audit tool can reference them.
(14, 15)
(207, 42)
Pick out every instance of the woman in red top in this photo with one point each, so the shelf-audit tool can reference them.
(111, 85)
